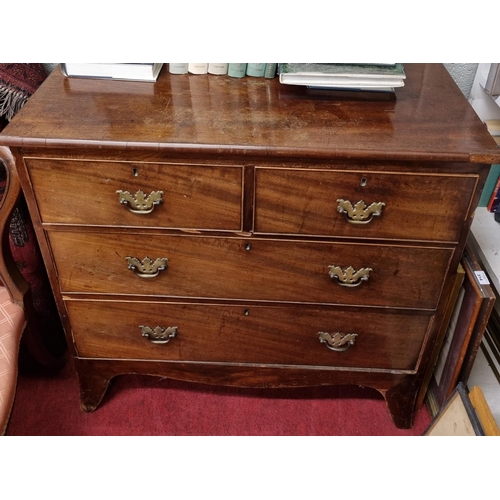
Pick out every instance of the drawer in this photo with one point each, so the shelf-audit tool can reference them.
(247, 334)
(194, 196)
(416, 206)
(249, 269)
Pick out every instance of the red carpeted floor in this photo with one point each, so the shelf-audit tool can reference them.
(148, 406)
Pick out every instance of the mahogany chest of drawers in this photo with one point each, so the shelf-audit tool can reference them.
(248, 233)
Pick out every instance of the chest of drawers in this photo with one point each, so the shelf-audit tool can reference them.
(245, 233)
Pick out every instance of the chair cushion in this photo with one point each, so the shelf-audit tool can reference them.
(11, 327)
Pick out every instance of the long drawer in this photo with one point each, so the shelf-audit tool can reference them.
(247, 334)
(425, 207)
(174, 196)
(249, 269)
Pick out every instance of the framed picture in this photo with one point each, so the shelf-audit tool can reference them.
(457, 417)
(485, 313)
(456, 296)
(464, 333)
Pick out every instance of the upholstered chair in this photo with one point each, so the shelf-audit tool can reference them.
(14, 297)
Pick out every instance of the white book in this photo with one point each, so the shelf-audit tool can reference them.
(178, 68)
(116, 71)
(217, 68)
(198, 68)
(341, 75)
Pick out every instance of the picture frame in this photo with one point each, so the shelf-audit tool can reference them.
(457, 417)
(455, 296)
(464, 334)
(485, 313)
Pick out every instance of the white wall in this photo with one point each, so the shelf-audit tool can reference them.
(463, 74)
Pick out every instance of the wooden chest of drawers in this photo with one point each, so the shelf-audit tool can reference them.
(246, 233)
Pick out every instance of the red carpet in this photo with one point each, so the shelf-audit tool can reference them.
(149, 406)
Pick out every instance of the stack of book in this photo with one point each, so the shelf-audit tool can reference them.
(235, 70)
(147, 72)
(379, 77)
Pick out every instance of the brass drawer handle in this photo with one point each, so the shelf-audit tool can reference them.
(349, 277)
(359, 213)
(338, 341)
(147, 268)
(140, 203)
(159, 335)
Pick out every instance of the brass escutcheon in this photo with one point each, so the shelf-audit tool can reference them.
(140, 203)
(349, 276)
(147, 268)
(339, 342)
(159, 335)
(359, 213)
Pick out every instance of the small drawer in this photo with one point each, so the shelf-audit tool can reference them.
(395, 205)
(369, 339)
(250, 269)
(109, 194)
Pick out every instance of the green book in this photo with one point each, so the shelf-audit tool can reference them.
(270, 71)
(237, 70)
(256, 69)
(489, 185)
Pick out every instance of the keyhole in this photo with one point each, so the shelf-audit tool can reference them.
(364, 182)
(135, 172)
(248, 247)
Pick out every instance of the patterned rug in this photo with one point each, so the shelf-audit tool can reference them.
(18, 81)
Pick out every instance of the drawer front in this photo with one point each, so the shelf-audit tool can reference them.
(251, 269)
(416, 207)
(194, 197)
(239, 334)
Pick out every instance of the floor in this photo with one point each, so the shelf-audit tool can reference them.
(482, 376)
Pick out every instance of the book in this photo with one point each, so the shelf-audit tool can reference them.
(178, 68)
(489, 185)
(256, 69)
(198, 68)
(270, 71)
(359, 76)
(495, 198)
(147, 72)
(217, 68)
(237, 70)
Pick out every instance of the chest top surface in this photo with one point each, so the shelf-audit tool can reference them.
(429, 119)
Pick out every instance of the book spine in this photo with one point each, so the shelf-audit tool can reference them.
(256, 69)
(217, 68)
(237, 70)
(178, 68)
(270, 71)
(198, 68)
(489, 185)
(495, 198)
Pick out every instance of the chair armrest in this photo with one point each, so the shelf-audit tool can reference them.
(10, 275)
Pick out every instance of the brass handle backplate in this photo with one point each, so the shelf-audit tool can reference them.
(159, 335)
(140, 203)
(349, 276)
(147, 268)
(359, 213)
(338, 341)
